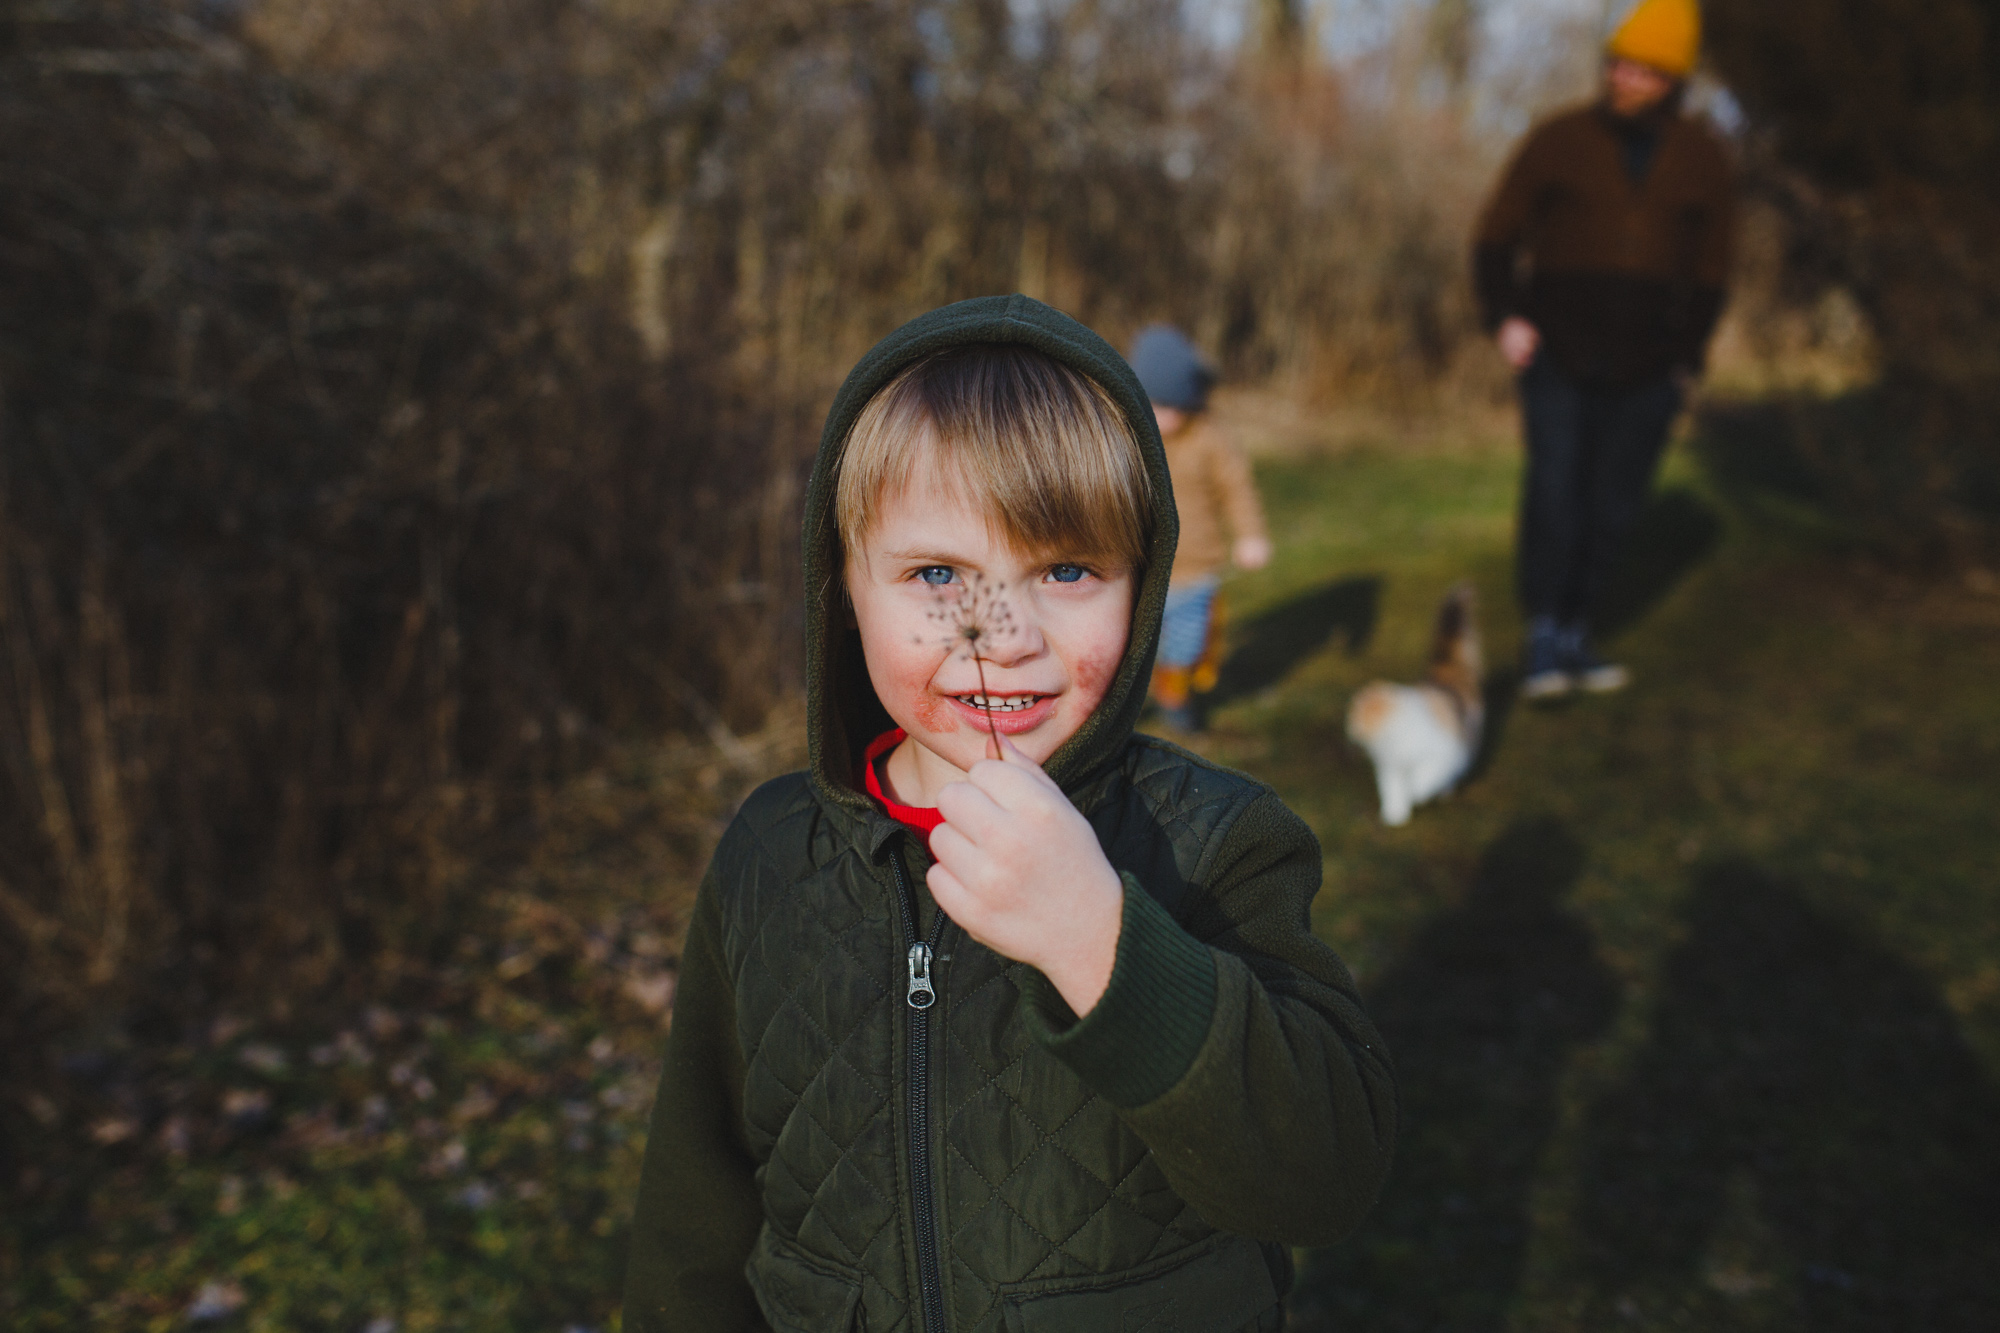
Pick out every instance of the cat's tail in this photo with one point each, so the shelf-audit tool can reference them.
(1457, 665)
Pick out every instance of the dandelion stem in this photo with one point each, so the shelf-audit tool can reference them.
(986, 701)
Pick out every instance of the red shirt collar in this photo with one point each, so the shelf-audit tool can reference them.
(921, 819)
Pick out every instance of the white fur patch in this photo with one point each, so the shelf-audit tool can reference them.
(1414, 734)
(1423, 737)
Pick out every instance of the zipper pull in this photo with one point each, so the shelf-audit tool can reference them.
(921, 995)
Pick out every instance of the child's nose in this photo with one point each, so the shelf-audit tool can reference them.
(1021, 642)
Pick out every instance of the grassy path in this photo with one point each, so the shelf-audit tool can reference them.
(1695, 991)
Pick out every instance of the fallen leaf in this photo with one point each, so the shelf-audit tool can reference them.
(320, 1129)
(382, 1022)
(245, 1106)
(263, 1057)
(215, 1300)
(477, 1196)
(1737, 1282)
(651, 991)
(517, 965)
(477, 1104)
(117, 1129)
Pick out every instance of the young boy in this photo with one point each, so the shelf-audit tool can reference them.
(1000, 1016)
(1213, 490)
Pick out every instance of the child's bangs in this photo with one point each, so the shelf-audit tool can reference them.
(1011, 433)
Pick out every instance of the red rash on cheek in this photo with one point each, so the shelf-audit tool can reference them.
(935, 715)
(1091, 676)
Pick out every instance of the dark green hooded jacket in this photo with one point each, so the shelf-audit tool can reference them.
(824, 1156)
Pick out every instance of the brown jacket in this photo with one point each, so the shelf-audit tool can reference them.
(1212, 490)
(1613, 238)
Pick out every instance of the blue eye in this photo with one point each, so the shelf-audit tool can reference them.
(1067, 573)
(936, 575)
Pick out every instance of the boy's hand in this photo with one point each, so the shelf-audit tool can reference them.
(1021, 872)
(1252, 552)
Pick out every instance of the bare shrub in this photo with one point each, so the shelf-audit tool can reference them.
(403, 401)
(1876, 138)
(331, 497)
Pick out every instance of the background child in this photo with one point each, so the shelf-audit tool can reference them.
(1001, 1015)
(1213, 490)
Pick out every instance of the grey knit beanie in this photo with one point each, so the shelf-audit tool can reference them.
(1171, 369)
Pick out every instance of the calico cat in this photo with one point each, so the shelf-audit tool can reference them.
(1423, 737)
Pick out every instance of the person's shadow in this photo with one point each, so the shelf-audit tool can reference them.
(1674, 534)
(1675, 531)
(1270, 644)
(1481, 1017)
(1806, 1130)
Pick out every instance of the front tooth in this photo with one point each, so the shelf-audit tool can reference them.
(1012, 705)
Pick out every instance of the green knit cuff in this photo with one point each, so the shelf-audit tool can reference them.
(1144, 1033)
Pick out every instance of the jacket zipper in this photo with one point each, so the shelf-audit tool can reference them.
(920, 996)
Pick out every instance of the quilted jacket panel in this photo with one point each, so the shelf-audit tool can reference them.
(1036, 1176)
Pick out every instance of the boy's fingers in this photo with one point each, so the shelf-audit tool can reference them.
(946, 890)
(949, 844)
(968, 810)
(1017, 757)
(1010, 785)
(1016, 762)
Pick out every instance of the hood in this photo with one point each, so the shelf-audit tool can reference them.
(842, 712)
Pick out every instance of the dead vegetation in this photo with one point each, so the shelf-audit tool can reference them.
(404, 406)
(1875, 140)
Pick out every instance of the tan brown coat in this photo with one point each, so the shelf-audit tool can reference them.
(1215, 495)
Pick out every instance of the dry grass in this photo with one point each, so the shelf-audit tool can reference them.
(405, 407)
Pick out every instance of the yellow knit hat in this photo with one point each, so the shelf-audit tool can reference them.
(1665, 34)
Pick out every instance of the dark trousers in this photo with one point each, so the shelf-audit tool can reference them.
(1591, 455)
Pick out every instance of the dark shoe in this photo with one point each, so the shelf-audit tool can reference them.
(1183, 719)
(1587, 670)
(1544, 672)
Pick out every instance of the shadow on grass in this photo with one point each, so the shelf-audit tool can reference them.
(1753, 448)
(1270, 644)
(1804, 1141)
(1880, 464)
(1806, 1130)
(1500, 690)
(1481, 1017)
(1675, 532)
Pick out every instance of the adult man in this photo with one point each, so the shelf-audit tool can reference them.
(1600, 262)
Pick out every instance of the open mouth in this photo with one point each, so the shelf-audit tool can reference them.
(1001, 703)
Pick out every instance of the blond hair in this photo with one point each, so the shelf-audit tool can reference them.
(1042, 450)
